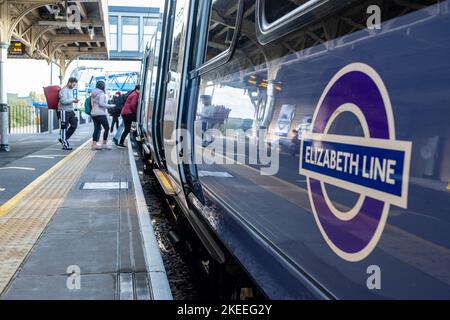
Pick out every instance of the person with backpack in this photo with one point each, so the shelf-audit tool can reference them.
(66, 113)
(99, 102)
(129, 114)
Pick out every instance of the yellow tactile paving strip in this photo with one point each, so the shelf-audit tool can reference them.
(24, 217)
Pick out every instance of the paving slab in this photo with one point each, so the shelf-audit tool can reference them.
(98, 232)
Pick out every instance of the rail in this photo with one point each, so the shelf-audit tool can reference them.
(24, 119)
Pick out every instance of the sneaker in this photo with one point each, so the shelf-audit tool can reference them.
(67, 148)
(121, 146)
(106, 147)
(96, 147)
(62, 143)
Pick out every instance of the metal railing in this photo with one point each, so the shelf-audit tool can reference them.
(24, 119)
(31, 119)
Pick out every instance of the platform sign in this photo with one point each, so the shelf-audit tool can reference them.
(16, 48)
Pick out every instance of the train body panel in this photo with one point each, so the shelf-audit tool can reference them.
(348, 194)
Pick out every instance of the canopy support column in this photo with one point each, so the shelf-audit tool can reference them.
(4, 130)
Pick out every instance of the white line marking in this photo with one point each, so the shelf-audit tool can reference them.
(216, 174)
(18, 168)
(45, 156)
(105, 185)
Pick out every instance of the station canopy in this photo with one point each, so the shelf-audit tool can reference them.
(57, 31)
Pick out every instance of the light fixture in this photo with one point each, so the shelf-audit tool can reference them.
(91, 32)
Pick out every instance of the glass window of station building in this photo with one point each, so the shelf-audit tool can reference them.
(130, 29)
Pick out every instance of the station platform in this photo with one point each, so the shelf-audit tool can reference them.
(76, 226)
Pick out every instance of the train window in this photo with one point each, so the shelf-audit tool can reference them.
(276, 9)
(276, 18)
(222, 26)
(216, 37)
(150, 27)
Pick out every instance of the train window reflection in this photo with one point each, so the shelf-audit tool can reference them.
(222, 26)
(276, 9)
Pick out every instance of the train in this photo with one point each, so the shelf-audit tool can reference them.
(304, 146)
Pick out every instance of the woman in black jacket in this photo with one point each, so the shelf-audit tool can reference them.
(115, 112)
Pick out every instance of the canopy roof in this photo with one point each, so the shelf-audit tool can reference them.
(57, 31)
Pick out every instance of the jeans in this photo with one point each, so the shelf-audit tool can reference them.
(115, 122)
(128, 120)
(119, 131)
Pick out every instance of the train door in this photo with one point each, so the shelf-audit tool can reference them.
(173, 91)
(149, 83)
(216, 29)
(143, 94)
(155, 124)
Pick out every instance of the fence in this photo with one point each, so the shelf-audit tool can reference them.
(24, 119)
(44, 119)
(31, 119)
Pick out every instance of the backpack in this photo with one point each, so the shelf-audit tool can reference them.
(88, 105)
(125, 96)
(118, 101)
(52, 96)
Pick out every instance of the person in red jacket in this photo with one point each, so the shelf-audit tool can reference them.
(129, 114)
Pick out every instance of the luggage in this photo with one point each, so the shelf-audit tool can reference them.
(52, 96)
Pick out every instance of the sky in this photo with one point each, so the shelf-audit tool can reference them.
(26, 75)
